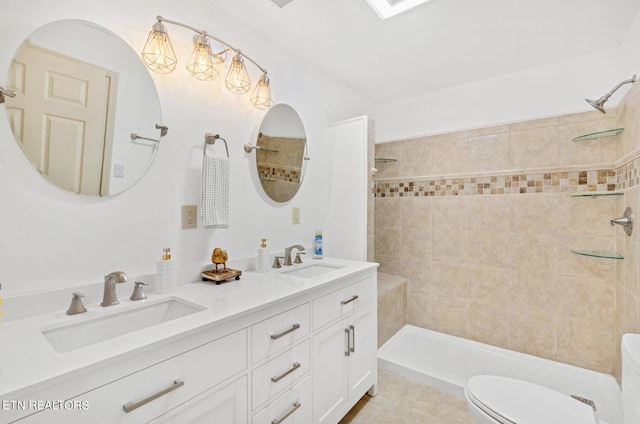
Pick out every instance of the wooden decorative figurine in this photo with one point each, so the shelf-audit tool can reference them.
(218, 257)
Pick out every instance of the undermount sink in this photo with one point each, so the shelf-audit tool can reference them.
(314, 270)
(80, 334)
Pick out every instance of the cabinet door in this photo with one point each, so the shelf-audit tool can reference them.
(226, 405)
(363, 356)
(330, 372)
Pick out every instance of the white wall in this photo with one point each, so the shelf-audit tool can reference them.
(549, 90)
(51, 239)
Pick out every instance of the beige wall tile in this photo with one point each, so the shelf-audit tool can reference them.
(535, 213)
(587, 216)
(450, 156)
(416, 212)
(489, 152)
(419, 309)
(586, 299)
(449, 315)
(490, 212)
(534, 293)
(449, 279)
(592, 115)
(534, 148)
(533, 333)
(491, 285)
(490, 248)
(488, 323)
(601, 150)
(586, 343)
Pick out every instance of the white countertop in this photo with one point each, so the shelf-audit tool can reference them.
(27, 359)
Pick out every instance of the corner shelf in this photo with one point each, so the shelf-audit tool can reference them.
(599, 134)
(598, 254)
(386, 160)
(608, 193)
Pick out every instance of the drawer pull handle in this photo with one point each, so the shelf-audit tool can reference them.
(295, 366)
(132, 406)
(294, 327)
(344, 302)
(296, 405)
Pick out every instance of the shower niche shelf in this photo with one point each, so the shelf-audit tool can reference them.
(599, 134)
(598, 254)
(600, 194)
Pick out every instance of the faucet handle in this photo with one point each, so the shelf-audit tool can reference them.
(276, 262)
(138, 293)
(76, 306)
(298, 259)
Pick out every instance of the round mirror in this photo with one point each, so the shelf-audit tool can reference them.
(282, 152)
(86, 112)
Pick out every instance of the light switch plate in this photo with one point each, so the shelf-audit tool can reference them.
(189, 217)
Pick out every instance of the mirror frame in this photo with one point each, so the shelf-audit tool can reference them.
(282, 124)
(119, 159)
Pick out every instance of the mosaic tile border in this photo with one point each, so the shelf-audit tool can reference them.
(276, 173)
(602, 180)
(628, 174)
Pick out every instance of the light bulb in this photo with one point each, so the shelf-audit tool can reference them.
(200, 64)
(237, 80)
(261, 96)
(157, 53)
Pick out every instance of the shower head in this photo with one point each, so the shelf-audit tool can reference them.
(599, 104)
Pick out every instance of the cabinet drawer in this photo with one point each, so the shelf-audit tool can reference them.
(199, 369)
(343, 301)
(223, 405)
(285, 369)
(282, 330)
(293, 407)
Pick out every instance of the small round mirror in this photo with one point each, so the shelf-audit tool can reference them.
(281, 153)
(82, 96)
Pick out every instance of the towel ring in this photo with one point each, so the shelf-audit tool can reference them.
(210, 138)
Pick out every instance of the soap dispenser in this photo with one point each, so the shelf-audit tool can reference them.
(262, 262)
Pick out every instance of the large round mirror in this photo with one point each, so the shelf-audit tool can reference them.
(86, 112)
(282, 152)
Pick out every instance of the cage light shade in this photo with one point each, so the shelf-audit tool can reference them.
(200, 64)
(157, 53)
(237, 80)
(261, 96)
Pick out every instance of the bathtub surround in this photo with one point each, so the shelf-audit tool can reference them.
(482, 222)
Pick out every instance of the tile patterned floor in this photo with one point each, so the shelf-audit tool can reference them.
(401, 401)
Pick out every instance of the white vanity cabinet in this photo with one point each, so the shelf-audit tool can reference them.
(153, 391)
(344, 351)
(306, 356)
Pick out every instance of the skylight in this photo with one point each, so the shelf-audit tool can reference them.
(388, 8)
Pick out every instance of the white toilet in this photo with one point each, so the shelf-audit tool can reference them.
(502, 400)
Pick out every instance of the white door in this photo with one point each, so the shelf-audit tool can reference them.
(61, 116)
(346, 235)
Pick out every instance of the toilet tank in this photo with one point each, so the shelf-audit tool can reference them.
(630, 378)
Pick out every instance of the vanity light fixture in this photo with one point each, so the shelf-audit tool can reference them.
(158, 55)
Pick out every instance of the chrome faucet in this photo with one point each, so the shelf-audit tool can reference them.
(110, 296)
(287, 254)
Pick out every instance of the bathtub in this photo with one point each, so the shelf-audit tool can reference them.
(446, 363)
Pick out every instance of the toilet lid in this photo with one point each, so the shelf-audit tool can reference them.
(514, 401)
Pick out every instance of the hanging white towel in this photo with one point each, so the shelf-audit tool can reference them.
(215, 191)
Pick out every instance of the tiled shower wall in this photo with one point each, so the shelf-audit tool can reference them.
(482, 223)
(628, 271)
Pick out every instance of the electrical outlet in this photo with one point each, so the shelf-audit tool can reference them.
(189, 217)
(295, 216)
